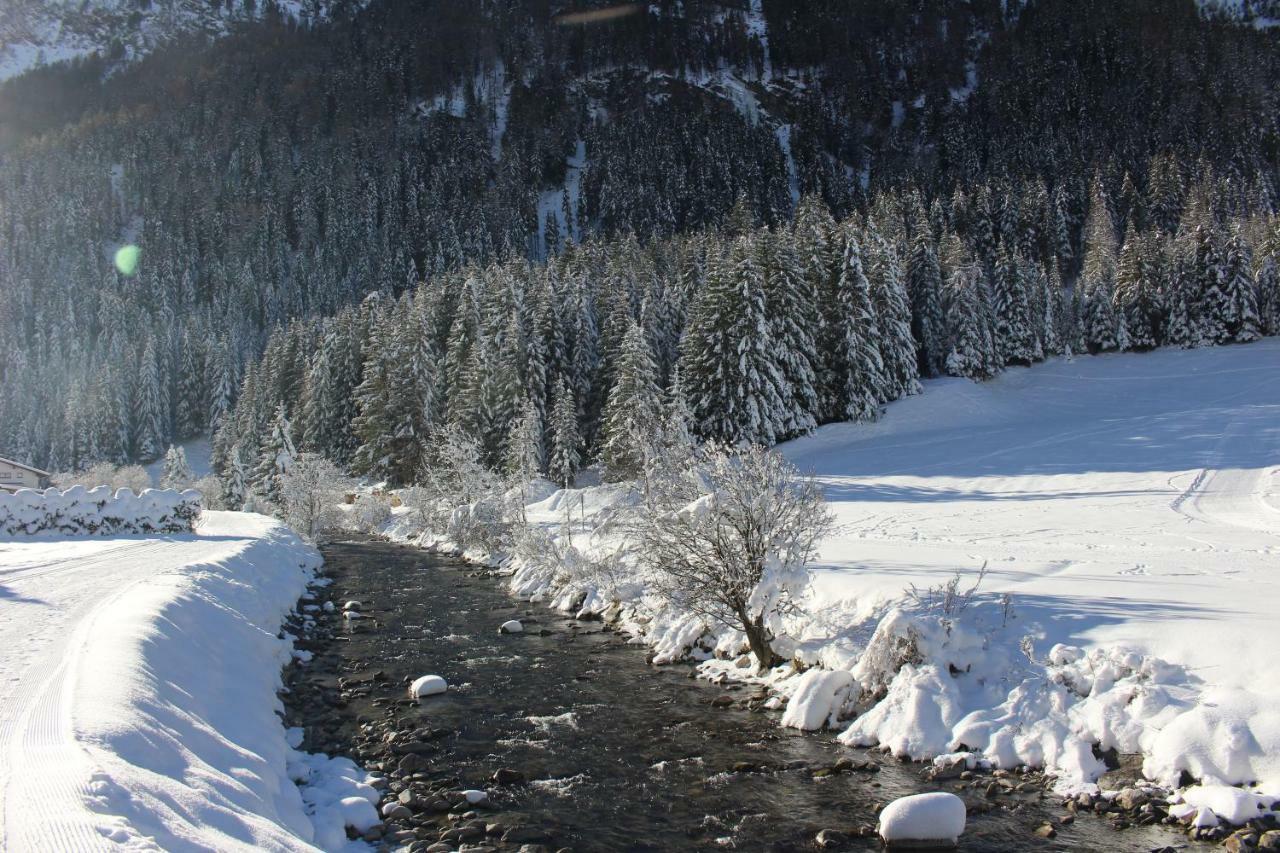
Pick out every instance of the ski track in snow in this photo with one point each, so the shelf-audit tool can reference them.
(48, 618)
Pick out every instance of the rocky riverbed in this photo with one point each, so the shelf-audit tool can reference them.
(562, 737)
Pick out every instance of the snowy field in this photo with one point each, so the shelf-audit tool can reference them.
(1127, 510)
(1122, 501)
(140, 678)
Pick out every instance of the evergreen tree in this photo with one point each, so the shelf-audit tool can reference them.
(851, 367)
(924, 283)
(275, 457)
(791, 303)
(177, 473)
(1240, 303)
(566, 444)
(727, 357)
(1014, 334)
(632, 415)
(150, 418)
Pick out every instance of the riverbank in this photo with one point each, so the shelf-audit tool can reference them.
(577, 743)
(1123, 620)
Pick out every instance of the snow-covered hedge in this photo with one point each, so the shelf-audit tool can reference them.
(98, 512)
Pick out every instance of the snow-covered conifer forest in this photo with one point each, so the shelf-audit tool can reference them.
(408, 216)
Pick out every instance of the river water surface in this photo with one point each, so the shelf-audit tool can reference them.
(622, 755)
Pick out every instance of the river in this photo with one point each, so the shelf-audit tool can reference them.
(617, 754)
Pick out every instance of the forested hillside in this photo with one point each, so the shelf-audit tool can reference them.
(931, 187)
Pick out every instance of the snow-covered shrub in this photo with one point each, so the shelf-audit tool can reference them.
(86, 512)
(310, 489)
(213, 491)
(133, 477)
(369, 513)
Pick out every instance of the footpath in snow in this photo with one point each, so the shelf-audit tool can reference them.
(1127, 510)
(140, 678)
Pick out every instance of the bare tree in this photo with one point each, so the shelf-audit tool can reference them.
(731, 536)
(309, 493)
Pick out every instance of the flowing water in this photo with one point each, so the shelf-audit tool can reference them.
(621, 755)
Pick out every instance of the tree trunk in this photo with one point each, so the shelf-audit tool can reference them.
(758, 640)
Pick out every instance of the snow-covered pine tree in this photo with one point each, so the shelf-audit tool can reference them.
(1101, 323)
(1180, 326)
(632, 416)
(1240, 305)
(235, 486)
(1211, 305)
(524, 457)
(150, 434)
(727, 357)
(177, 472)
(1015, 337)
(892, 309)
(924, 283)
(373, 426)
(1266, 275)
(275, 457)
(1136, 296)
(971, 353)
(791, 303)
(1049, 322)
(566, 443)
(851, 369)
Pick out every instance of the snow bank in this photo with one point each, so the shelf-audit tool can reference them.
(97, 512)
(174, 706)
(935, 817)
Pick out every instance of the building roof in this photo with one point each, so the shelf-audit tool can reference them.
(30, 468)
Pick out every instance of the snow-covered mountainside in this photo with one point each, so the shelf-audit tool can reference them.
(39, 32)
(1127, 511)
(140, 682)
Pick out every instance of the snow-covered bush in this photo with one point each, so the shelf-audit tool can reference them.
(98, 512)
(133, 477)
(369, 513)
(213, 491)
(310, 489)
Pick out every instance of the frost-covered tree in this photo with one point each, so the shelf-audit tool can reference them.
(730, 540)
(791, 302)
(924, 283)
(310, 491)
(1240, 298)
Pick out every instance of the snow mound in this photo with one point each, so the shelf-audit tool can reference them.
(428, 685)
(936, 817)
(819, 698)
(511, 626)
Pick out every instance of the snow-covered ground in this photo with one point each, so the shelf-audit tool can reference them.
(140, 678)
(1127, 510)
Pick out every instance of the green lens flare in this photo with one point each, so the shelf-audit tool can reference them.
(127, 259)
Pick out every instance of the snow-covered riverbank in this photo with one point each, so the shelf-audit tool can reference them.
(140, 694)
(1127, 509)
